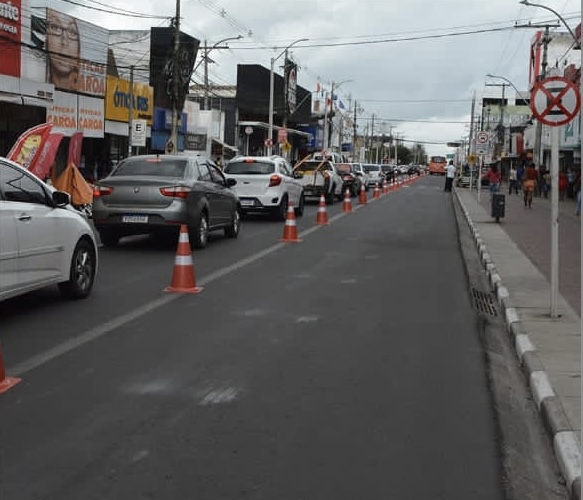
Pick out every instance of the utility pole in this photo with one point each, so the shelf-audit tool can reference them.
(172, 144)
(538, 149)
(130, 111)
(354, 133)
(470, 149)
(501, 129)
(371, 138)
(206, 76)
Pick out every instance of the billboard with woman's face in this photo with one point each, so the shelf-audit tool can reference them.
(67, 52)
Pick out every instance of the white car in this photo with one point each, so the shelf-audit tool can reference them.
(320, 177)
(43, 239)
(266, 184)
(375, 173)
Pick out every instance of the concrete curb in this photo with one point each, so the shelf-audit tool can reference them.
(563, 437)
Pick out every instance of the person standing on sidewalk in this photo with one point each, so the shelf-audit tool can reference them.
(449, 176)
(529, 184)
(512, 180)
(494, 179)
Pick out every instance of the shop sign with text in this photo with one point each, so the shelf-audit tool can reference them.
(118, 99)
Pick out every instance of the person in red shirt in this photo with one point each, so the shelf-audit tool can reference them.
(529, 184)
(494, 178)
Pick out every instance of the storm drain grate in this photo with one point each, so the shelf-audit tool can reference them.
(484, 302)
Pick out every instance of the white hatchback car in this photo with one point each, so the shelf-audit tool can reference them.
(44, 240)
(266, 184)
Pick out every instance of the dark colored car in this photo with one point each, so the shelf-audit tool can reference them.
(156, 194)
(414, 170)
(350, 180)
(389, 172)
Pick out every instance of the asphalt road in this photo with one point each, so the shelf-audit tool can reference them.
(345, 366)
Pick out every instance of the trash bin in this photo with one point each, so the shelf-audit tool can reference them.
(498, 205)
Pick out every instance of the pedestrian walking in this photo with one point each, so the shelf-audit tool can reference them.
(449, 176)
(494, 178)
(563, 185)
(529, 184)
(512, 180)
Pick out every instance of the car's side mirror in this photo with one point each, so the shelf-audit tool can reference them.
(61, 199)
(231, 182)
(297, 175)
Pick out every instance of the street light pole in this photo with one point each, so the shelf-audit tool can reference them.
(577, 42)
(172, 144)
(271, 91)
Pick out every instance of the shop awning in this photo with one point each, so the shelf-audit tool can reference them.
(264, 125)
(225, 145)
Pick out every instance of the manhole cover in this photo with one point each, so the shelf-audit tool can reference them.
(484, 302)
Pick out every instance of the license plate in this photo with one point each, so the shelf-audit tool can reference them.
(247, 203)
(135, 219)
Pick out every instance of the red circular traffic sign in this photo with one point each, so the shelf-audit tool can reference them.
(555, 101)
(268, 143)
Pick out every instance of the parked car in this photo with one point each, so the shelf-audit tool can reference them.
(320, 177)
(359, 170)
(350, 180)
(414, 170)
(375, 173)
(266, 184)
(388, 172)
(155, 194)
(43, 239)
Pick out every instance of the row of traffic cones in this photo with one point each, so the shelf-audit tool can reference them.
(183, 276)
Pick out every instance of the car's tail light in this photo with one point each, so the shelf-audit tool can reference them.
(101, 191)
(274, 180)
(175, 191)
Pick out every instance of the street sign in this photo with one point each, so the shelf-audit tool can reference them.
(139, 129)
(248, 130)
(482, 142)
(555, 101)
(268, 143)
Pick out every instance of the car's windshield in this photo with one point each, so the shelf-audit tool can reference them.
(172, 167)
(249, 167)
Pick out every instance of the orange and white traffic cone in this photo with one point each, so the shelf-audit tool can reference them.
(385, 187)
(347, 204)
(290, 230)
(6, 382)
(322, 214)
(362, 196)
(183, 280)
(377, 192)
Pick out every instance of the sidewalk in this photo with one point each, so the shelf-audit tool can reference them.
(516, 256)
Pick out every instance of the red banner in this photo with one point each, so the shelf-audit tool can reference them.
(27, 148)
(75, 149)
(10, 34)
(46, 158)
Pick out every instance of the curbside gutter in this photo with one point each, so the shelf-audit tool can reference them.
(555, 421)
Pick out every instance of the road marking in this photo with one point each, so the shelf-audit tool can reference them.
(109, 326)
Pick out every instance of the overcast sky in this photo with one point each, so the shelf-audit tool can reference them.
(422, 86)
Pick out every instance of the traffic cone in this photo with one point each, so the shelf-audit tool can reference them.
(347, 205)
(362, 196)
(322, 214)
(183, 280)
(385, 187)
(290, 230)
(6, 382)
(377, 192)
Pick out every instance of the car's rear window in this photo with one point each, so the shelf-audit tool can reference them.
(343, 167)
(371, 168)
(174, 167)
(249, 167)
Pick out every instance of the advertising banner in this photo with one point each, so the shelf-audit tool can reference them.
(42, 167)
(161, 66)
(65, 51)
(71, 113)
(291, 85)
(10, 35)
(117, 100)
(28, 146)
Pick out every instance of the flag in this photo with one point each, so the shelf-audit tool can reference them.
(28, 146)
(46, 158)
(75, 149)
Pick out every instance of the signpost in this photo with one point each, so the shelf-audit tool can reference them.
(482, 148)
(555, 101)
(248, 132)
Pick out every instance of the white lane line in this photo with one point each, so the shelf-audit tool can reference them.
(109, 326)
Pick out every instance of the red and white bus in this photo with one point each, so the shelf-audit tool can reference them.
(437, 165)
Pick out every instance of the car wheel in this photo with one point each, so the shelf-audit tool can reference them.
(232, 230)
(281, 210)
(109, 237)
(81, 273)
(199, 234)
(330, 196)
(299, 210)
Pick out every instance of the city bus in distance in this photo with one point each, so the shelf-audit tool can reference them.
(437, 165)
